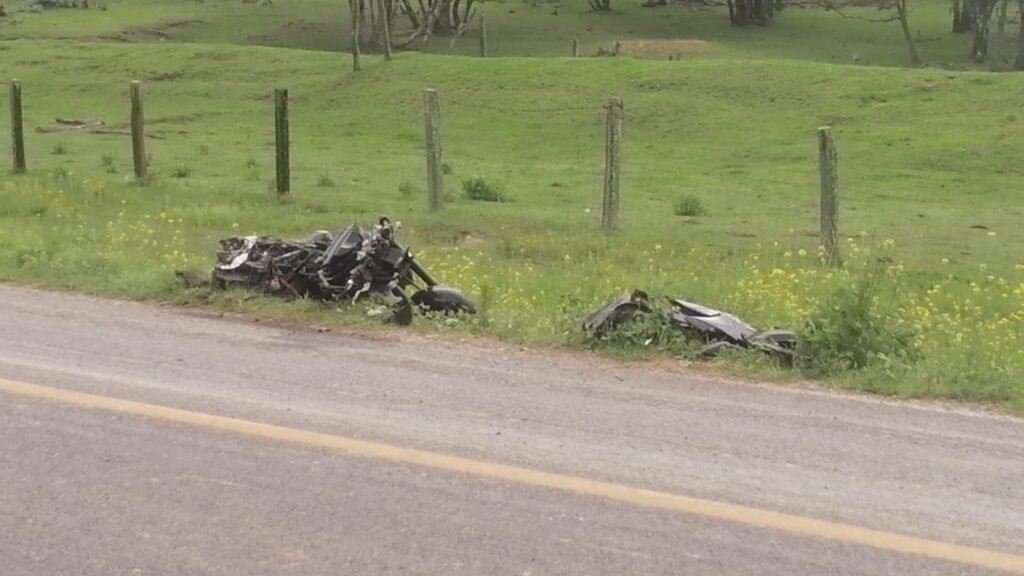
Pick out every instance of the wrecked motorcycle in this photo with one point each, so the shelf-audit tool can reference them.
(717, 329)
(349, 265)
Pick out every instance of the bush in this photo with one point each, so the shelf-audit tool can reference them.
(688, 205)
(325, 181)
(476, 188)
(850, 330)
(252, 170)
(109, 164)
(181, 171)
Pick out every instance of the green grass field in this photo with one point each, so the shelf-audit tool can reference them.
(930, 171)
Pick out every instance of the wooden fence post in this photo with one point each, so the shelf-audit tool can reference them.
(613, 165)
(435, 177)
(384, 12)
(281, 141)
(828, 164)
(17, 129)
(575, 47)
(138, 121)
(354, 8)
(483, 36)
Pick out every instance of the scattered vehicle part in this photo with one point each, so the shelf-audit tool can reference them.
(717, 329)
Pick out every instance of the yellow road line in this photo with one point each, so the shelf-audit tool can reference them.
(661, 500)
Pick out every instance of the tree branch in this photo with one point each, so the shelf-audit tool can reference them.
(828, 5)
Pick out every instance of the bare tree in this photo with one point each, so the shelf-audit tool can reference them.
(381, 11)
(963, 16)
(983, 10)
(1019, 64)
(976, 16)
(442, 17)
(747, 12)
(382, 35)
(897, 11)
(902, 14)
(354, 9)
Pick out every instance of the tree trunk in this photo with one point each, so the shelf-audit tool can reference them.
(1002, 16)
(983, 10)
(963, 16)
(902, 12)
(751, 12)
(411, 13)
(362, 21)
(353, 6)
(979, 49)
(384, 13)
(439, 17)
(1019, 64)
(739, 17)
(375, 31)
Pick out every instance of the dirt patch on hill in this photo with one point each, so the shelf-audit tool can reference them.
(147, 33)
(659, 49)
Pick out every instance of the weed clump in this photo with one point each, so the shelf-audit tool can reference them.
(480, 190)
(109, 163)
(689, 205)
(252, 170)
(406, 190)
(852, 330)
(325, 181)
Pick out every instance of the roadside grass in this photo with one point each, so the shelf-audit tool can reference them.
(537, 29)
(533, 287)
(928, 182)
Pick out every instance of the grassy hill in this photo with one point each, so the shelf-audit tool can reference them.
(534, 28)
(719, 184)
(918, 165)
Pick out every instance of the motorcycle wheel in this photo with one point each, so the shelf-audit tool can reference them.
(443, 299)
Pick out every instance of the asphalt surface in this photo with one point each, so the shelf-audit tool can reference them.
(93, 491)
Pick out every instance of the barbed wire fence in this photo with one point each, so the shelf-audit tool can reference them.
(613, 111)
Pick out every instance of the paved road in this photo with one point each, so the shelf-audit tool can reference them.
(249, 449)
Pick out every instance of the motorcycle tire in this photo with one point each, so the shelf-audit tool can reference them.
(443, 299)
